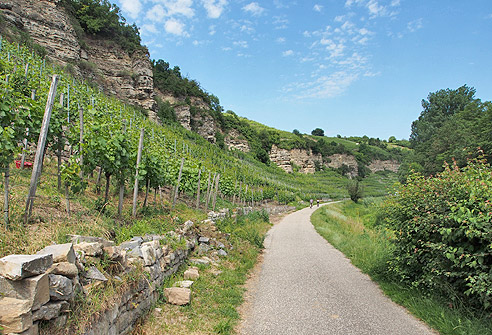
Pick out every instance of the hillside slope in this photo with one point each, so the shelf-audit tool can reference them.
(114, 59)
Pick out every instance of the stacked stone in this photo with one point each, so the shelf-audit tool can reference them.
(42, 286)
(36, 287)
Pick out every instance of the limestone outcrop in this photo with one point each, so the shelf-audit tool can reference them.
(128, 77)
(285, 159)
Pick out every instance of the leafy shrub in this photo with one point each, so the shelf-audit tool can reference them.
(443, 228)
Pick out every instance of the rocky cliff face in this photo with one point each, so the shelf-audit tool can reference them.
(285, 158)
(234, 141)
(129, 77)
(305, 160)
(202, 122)
(337, 160)
(379, 165)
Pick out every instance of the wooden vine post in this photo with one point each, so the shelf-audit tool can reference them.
(6, 199)
(139, 157)
(59, 154)
(239, 197)
(245, 196)
(208, 191)
(81, 141)
(122, 183)
(198, 190)
(38, 160)
(177, 184)
(234, 193)
(216, 191)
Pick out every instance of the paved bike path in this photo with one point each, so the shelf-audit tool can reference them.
(306, 286)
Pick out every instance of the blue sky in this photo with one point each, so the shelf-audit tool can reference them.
(350, 67)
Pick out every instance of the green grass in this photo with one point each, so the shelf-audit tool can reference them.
(215, 298)
(350, 228)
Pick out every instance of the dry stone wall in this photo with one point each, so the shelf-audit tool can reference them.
(42, 287)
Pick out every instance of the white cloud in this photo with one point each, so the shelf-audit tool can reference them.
(339, 18)
(226, 48)
(318, 8)
(254, 8)
(287, 53)
(214, 8)
(375, 8)
(241, 44)
(281, 40)
(156, 14)
(179, 7)
(247, 29)
(328, 86)
(149, 29)
(175, 27)
(415, 25)
(132, 7)
(280, 22)
(212, 30)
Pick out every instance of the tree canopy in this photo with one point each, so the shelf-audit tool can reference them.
(452, 126)
(103, 19)
(318, 132)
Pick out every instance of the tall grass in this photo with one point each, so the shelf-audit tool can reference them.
(352, 229)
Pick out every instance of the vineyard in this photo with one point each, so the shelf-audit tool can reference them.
(98, 140)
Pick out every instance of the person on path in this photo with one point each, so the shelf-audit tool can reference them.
(311, 203)
(317, 202)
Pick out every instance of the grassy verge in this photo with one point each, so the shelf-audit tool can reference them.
(215, 296)
(349, 227)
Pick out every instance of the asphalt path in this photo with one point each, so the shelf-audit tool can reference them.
(306, 286)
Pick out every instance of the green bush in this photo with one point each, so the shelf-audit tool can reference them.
(443, 232)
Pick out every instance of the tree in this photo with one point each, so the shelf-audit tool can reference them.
(296, 132)
(440, 133)
(438, 108)
(318, 132)
(354, 190)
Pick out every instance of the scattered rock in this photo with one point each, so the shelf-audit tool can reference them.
(178, 295)
(94, 274)
(16, 267)
(60, 287)
(200, 261)
(222, 253)
(15, 315)
(203, 239)
(203, 249)
(184, 283)
(191, 273)
(60, 252)
(187, 226)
